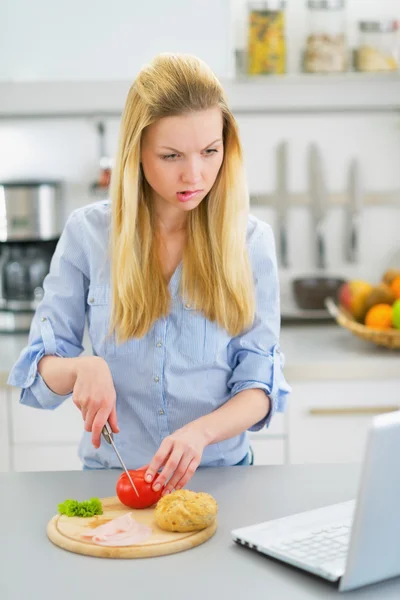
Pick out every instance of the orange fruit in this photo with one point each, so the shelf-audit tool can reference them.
(379, 317)
(395, 286)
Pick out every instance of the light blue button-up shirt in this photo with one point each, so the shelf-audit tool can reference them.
(185, 367)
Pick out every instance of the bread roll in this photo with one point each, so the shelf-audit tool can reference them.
(185, 510)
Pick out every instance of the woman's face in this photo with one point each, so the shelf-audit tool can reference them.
(181, 157)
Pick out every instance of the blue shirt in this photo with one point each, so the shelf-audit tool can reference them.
(185, 367)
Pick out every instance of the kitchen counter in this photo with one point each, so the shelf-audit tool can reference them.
(312, 352)
(32, 567)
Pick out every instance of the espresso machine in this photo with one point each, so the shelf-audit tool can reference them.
(31, 221)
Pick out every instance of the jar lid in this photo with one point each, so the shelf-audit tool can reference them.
(267, 5)
(326, 4)
(386, 26)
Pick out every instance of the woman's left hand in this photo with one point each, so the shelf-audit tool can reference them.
(180, 455)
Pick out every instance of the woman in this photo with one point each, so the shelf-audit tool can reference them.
(180, 290)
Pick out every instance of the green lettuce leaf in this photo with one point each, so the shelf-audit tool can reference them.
(87, 508)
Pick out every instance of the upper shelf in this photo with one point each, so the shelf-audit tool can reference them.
(277, 94)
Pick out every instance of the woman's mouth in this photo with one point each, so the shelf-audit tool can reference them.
(187, 195)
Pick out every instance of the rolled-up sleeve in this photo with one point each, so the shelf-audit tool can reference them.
(255, 356)
(58, 324)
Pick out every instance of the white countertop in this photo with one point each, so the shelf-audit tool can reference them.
(327, 351)
(312, 352)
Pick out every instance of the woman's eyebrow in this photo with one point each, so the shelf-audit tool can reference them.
(179, 152)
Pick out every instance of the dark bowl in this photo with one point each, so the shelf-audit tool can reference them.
(310, 292)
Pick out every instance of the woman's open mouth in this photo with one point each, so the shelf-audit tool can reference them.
(187, 195)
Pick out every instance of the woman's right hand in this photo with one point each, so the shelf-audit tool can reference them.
(94, 394)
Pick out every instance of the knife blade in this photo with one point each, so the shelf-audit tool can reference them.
(353, 212)
(281, 203)
(319, 202)
(108, 436)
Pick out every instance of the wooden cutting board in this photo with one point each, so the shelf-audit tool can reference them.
(65, 532)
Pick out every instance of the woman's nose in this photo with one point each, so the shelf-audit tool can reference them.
(191, 173)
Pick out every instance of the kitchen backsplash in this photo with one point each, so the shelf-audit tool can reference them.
(68, 149)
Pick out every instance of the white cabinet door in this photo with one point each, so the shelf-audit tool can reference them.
(269, 445)
(48, 457)
(34, 425)
(268, 452)
(4, 432)
(329, 420)
(44, 440)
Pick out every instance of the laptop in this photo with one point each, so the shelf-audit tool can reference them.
(353, 543)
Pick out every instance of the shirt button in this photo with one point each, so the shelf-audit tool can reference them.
(156, 379)
(161, 412)
(43, 319)
(159, 344)
(91, 300)
(187, 305)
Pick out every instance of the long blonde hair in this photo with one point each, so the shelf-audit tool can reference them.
(216, 274)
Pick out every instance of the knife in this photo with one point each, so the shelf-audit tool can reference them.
(281, 204)
(353, 213)
(319, 200)
(108, 436)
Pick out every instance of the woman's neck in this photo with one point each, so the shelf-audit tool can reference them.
(168, 219)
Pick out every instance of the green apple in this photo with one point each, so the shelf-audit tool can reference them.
(396, 314)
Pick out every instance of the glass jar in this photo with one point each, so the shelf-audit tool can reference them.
(266, 38)
(326, 47)
(378, 47)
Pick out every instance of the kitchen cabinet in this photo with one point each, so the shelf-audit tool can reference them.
(46, 457)
(43, 440)
(270, 445)
(36, 426)
(4, 432)
(328, 420)
(325, 422)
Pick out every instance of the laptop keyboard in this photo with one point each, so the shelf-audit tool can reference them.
(319, 546)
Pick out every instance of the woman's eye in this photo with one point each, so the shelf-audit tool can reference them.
(169, 156)
(211, 151)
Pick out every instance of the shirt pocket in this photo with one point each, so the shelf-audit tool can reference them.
(99, 319)
(198, 339)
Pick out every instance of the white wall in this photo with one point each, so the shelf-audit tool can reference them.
(102, 40)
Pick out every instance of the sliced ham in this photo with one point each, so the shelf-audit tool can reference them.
(122, 531)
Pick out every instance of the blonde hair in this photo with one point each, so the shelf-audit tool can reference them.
(216, 274)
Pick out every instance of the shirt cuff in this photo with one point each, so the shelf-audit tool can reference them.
(43, 396)
(254, 385)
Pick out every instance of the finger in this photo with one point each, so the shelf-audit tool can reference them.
(159, 459)
(89, 418)
(189, 474)
(112, 419)
(171, 466)
(98, 424)
(179, 473)
(76, 400)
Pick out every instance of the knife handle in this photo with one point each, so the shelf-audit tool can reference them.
(107, 433)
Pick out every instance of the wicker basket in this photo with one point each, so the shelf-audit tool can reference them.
(390, 338)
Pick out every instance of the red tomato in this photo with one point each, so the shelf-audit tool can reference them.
(126, 493)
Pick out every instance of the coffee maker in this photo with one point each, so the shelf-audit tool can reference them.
(31, 220)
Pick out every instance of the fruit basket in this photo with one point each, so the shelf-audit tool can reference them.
(389, 338)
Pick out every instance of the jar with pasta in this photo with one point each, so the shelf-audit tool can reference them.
(326, 45)
(266, 38)
(378, 47)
